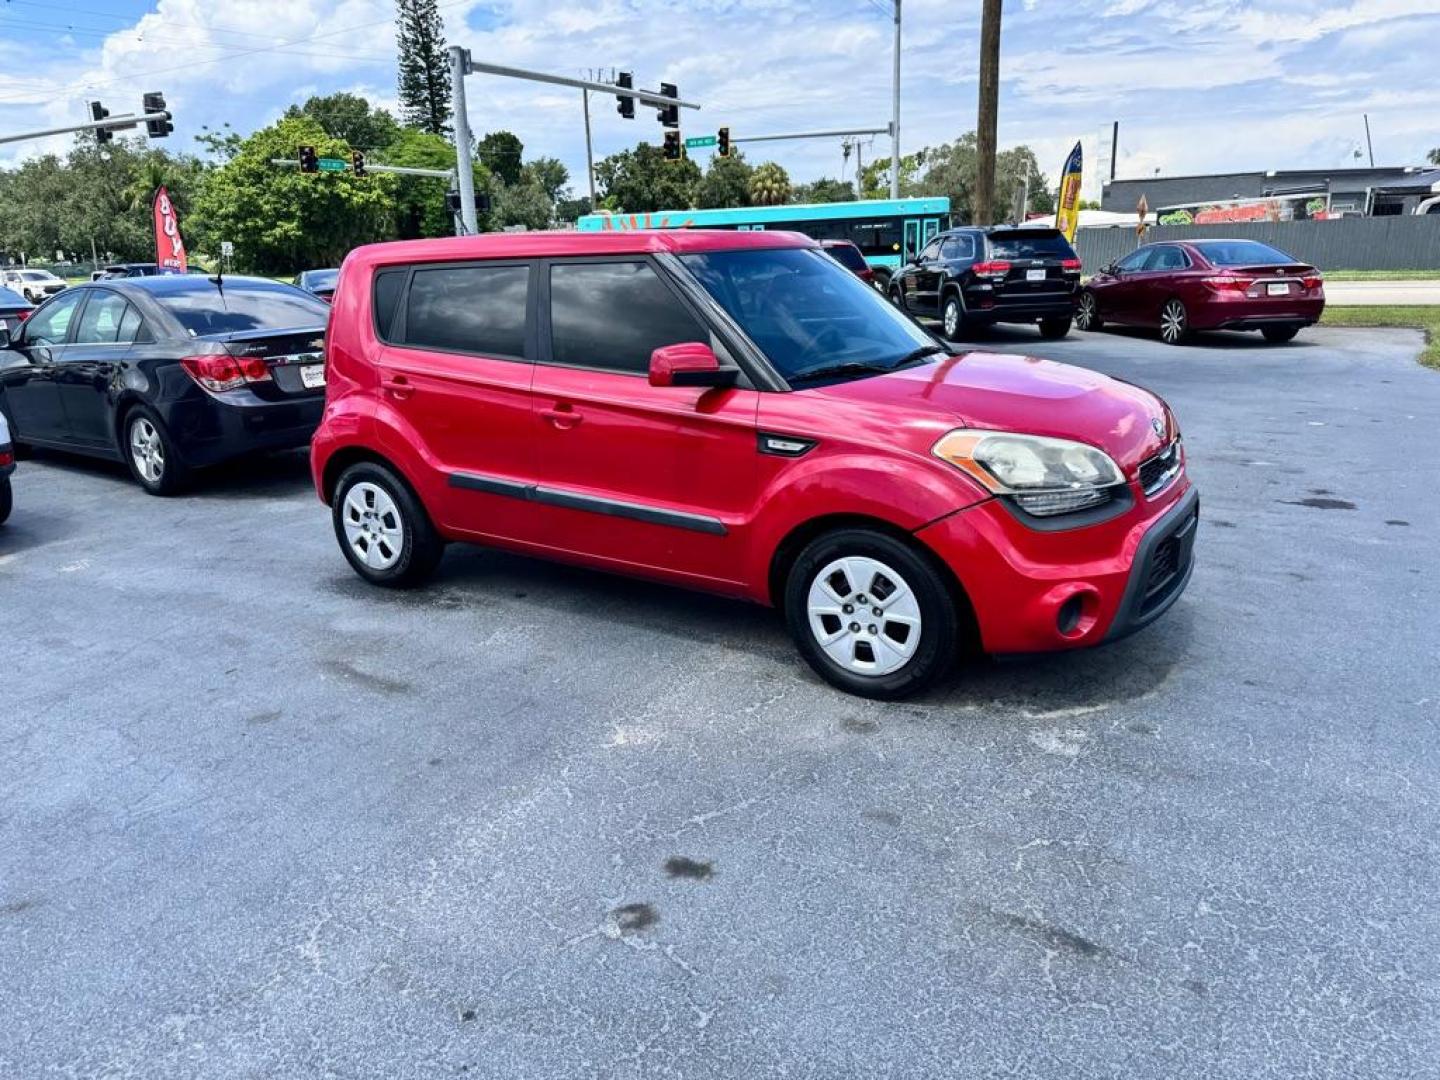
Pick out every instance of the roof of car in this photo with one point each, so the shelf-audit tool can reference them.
(170, 284)
(532, 245)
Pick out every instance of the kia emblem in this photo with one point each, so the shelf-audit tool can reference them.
(1158, 426)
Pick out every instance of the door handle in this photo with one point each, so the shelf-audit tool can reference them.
(563, 417)
(398, 386)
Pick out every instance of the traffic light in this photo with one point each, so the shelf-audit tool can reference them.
(160, 126)
(309, 162)
(99, 112)
(722, 142)
(669, 115)
(357, 162)
(625, 106)
(452, 201)
(674, 149)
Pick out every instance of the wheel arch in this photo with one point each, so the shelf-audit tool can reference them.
(346, 456)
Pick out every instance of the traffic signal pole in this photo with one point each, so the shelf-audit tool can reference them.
(111, 123)
(461, 64)
(839, 133)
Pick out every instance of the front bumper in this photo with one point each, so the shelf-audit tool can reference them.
(1037, 591)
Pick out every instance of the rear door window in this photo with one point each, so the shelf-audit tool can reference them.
(100, 322)
(469, 309)
(613, 315)
(1030, 244)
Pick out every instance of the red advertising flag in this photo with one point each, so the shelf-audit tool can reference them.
(169, 247)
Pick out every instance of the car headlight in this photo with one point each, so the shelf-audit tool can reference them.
(1044, 476)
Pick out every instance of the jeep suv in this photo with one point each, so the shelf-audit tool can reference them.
(737, 412)
(972, 278)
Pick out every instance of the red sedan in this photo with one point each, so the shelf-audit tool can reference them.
(1192, 285)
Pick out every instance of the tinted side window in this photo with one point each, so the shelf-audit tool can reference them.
(1167, 258)
(388, 286)
(130, 328)
(931, 252)
(48, 326)
(1134, 260)
(100, 321)
(475, 309)
(958, 247)
(614, 315)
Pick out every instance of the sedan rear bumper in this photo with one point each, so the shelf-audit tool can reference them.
(210, 428)
(1257, 313)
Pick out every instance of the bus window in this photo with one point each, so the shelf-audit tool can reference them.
(932, 226)
(874, 237)
(912, 239)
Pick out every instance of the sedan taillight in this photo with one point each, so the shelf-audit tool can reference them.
(1312, 281)
(26, 314)
(994, 268)
(1228, 283)
(226, 372)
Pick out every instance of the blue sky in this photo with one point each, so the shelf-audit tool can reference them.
(1197, 85)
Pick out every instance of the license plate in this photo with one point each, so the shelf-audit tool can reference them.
(1280, 289)
(312, 376)
(1035, 275)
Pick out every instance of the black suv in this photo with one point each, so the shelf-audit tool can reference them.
(972, 277)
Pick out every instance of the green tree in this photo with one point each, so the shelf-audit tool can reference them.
(281, 220)
(550, 174)
(349, 118)
(30, 225)
(725, 183)
(1433, 157)
(221, 144)
(424, 76)
(570, 210)
(525, 203)
(769, 185)
(875, 177)
(503, 154)
(641, 181)
(420, 200)
(824, 190)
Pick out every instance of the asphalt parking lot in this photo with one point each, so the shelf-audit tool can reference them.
(260, 820)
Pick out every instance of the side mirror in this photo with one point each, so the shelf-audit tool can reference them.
(688, 364)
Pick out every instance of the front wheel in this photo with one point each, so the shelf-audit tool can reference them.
(383, 529)
(7, 499)
(871, 614)
(1054, 329)
(1174, 323)
(1278, 335)
(952, 318)
(1087, 312)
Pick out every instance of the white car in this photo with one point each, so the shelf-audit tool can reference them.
(35, 285)
(7, 466)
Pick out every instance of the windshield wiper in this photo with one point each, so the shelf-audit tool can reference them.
(855, 367)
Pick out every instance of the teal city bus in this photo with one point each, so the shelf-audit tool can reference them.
(883, 229)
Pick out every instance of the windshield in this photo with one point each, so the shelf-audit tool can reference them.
(1241, 253)
(238, 306)
(37, 275)
(806, 312)
(319, 279)
(1035, 244)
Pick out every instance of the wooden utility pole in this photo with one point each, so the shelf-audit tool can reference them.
(985, 127)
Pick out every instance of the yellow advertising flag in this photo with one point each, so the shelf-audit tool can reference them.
(1067, 211)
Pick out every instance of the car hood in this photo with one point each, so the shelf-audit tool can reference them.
(1006, 392)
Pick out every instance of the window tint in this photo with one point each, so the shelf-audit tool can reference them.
(100, 321)
(474, 309)
(1241, 253)
(878, 237)
(130, 328)
(932, 251)
(49, 324)
(848, 255)
(1166, 257)
(1134, 260)
(614, 315)
(388, 286)
(238, 305)
(958, 247)
(1030, 244)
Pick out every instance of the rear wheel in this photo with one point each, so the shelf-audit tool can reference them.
(151, 454)
(7, 499)
(1278, 335)
(1174, 322)
(896, 298)
(1087, 312)
(383, 529)
(1054, 329)
(871, 615)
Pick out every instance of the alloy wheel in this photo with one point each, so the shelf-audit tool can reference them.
(1172, 322)
(146, 450)
(952, 317)
(1085, 316)
(373, 527)
(864, 616)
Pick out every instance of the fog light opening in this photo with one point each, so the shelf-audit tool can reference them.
(1068, 617)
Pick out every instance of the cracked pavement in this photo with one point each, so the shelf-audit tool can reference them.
(258, 819)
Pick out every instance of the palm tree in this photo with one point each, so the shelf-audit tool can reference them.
(154, 172)
(769, 185)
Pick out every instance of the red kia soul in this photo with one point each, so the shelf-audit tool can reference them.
(737, 412)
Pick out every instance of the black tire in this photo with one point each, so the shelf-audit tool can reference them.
(1087, 312)
(1177, 333)
(940, 627)
(1054, 329)
(174, 475)
(7, 499)
(1278, 335)
(421, 546)
(896, 297)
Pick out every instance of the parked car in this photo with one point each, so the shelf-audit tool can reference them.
(7, 466)
(169, 373)
(319, 282)
(971, 278)
(14, 309)
(127, 270)
(1183, 286)
(735, 412)
(848, 255)
(33, 285)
